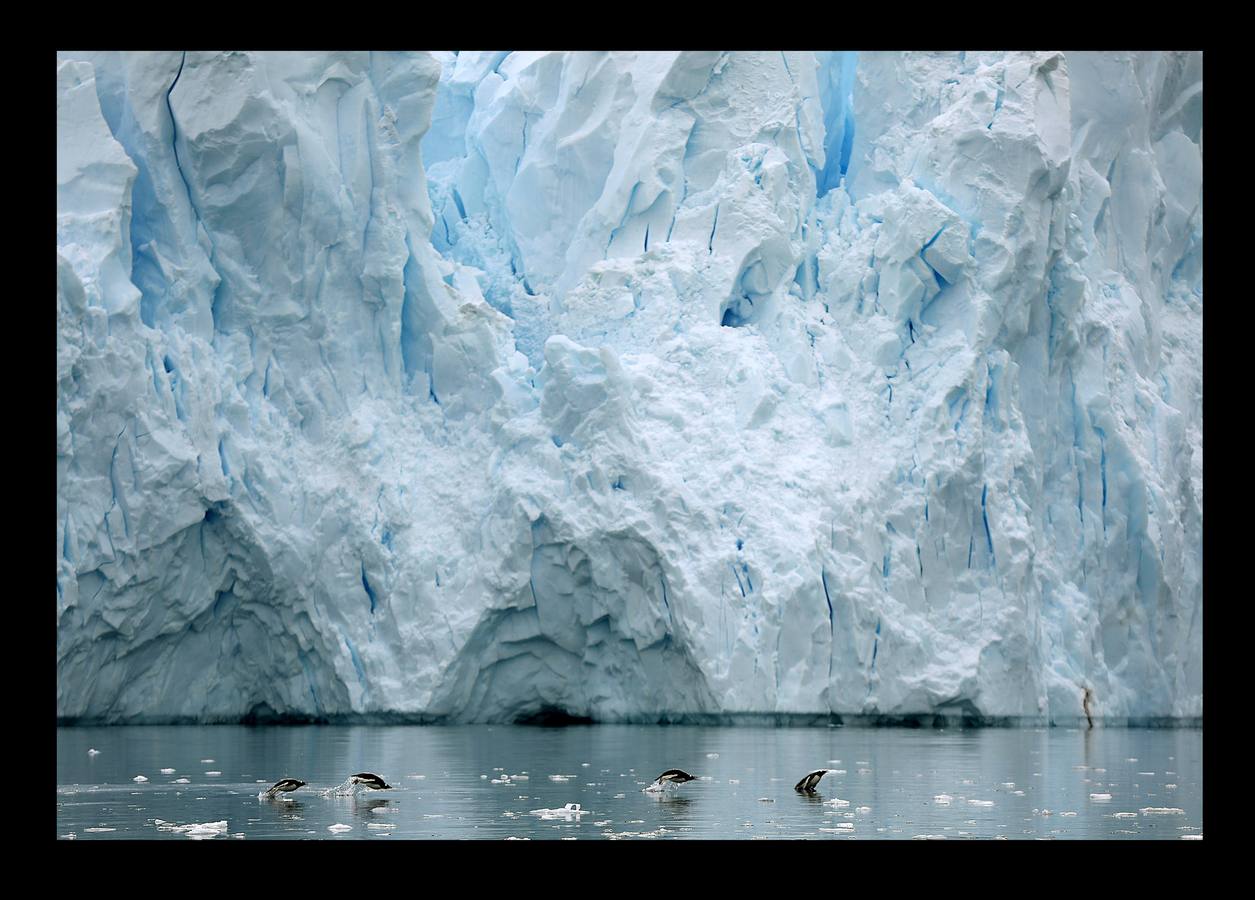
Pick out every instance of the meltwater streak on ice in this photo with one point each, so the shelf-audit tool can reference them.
(914, 782)
(713, 425)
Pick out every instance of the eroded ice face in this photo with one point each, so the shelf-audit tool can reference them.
(633, 383)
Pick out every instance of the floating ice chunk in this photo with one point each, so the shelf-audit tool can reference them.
(208, 761)
(1184, 837)
(339, 828)
(568, 812)
(560, 778)
(942, 799)
(1067, 813)
(182, 781)
(213, 772)
(1018, 793)
(1161, 811)
(712, 755)
(167, 771)
(71, 836)
(1171, 787)
(1124, 815)
(140, 779)
(620, 797)
(100, 829)
(929, 837)
(1145, 773)
(765, 800)
(981, 802)
(1008, 784)
(1100, 796)
(837, 802)
(380, 825)
(416, 777)
(93, 752)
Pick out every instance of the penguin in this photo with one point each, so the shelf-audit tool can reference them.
(372, 781)
(284, 786)
(808, 784)
(675, 776)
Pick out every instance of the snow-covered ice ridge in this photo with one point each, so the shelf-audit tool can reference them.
(628, 384)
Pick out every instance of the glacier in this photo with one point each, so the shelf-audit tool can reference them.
(637, 386)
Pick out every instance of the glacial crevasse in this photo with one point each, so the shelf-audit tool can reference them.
(632, 384)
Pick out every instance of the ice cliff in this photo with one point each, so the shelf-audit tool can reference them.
(634, 385)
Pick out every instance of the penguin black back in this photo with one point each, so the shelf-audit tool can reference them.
(675, 776)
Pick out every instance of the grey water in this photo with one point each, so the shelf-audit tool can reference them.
(449, 782)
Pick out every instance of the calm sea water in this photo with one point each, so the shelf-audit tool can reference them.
(449, 782)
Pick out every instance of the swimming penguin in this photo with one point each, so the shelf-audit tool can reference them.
(372, 781)
(675, 776)
(284, 786)
(808, 784)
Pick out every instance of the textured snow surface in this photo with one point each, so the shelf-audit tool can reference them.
(628, 384)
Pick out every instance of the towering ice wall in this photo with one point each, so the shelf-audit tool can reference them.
(632, 384)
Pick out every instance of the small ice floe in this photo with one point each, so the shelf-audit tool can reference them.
(182, 781)
(712, 755)
(834, 762)
(1124, 815)
(1100, 796)
(196, 830)
(1008, 784)
(929, 837)
(515, 838)
(842, 828)
(380, 825)
(1166, 772)
(213, 772)
(837, 802)
(208, 761)
(1067, 813)
(765, 800)
(93, 752)
(942, 799)
(560, 778)
(569, 812)
(383, 810)
(94, 830)
(1018, 793)
(981, 802)
(485, 777)
(1171, 787)
(416, 777)
(504, 779)
(836, 771)
(521, 777)
(339, 828)
(1131, 759)
(585, 765)
(140, 779)
(71, 836)
(1145, 773)
(1100, 770)
(620, 797)
(1184, 837)
(167, 771)
(1161, 811)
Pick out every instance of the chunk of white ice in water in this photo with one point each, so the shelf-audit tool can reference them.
(942, 799)
(1100, 796)
(1184, 837)
(182, 781)
(93, 752)
(167, 771)
(140, 779)
(981, 802)
(208, 761)
(712, 755)
(339, 828)
(214, 772)
(1161, 811)
(836, 802)
(569, 811)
